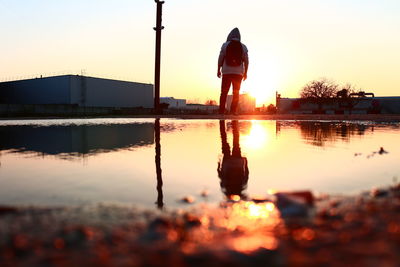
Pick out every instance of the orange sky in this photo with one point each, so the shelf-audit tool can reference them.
(290, 43)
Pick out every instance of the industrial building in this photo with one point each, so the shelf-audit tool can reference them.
(201, 108)
(173, 102)
(180, 105)
(77, 90)
(349, 105)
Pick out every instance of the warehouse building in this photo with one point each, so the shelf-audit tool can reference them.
(350, 105)
(77, 90)
(173, 102)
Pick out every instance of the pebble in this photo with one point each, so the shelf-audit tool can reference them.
(188, 200)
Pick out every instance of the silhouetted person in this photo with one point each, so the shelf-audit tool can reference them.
(233, 62)
(232, 170)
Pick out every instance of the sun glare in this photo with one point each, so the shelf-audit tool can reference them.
(261, 96)
(263, 82)
(257, 137)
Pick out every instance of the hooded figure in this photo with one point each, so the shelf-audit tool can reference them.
(232, 74)
(234, 35)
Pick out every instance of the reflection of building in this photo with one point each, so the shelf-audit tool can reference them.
(75, 140)
(173, 102)
(247, 103)
(77, 90)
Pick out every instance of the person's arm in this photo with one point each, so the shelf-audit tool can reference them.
(221, 60)
(246, 62)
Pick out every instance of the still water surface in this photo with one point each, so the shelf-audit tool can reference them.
(157, 162)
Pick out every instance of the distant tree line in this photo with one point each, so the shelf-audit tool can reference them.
(211, 102)
(324, 88)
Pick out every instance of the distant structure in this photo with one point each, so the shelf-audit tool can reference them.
(180, 106)
(209, 109)
(247, 103)
(77, 90)
(173, 102)
(355, 103)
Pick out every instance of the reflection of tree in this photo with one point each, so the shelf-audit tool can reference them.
(319, 133)
(232, 170)
(160, 203)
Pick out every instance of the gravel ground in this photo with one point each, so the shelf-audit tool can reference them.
(286, 229)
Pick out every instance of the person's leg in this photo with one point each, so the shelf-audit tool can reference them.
(235, 101)
(225, 84)
(236, 81)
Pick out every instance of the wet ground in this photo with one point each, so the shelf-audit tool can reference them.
(287, 229)
(59, 178)
(325, 117)
(85, 161)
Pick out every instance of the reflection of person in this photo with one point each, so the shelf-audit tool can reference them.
(232, 170)
(233, 61)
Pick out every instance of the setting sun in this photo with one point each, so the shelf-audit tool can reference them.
(261, 96)
(263, 80)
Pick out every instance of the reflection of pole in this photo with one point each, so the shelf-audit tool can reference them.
(277, 128)
(159, 202)
(158, 29)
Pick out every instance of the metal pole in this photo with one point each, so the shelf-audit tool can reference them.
(158, 30)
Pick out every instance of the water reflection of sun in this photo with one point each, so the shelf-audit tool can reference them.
(257, 137)
(256, 222)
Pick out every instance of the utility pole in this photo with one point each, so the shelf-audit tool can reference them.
(158, 30)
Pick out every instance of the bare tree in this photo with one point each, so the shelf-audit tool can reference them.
(346, 90)
(211, 102)
(322, 88)
(271, 109)
(350, 88)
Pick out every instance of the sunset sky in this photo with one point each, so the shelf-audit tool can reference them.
(290, 42)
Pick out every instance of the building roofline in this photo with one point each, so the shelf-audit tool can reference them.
(73, 75)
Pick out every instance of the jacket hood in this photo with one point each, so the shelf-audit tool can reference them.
(234, 35)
